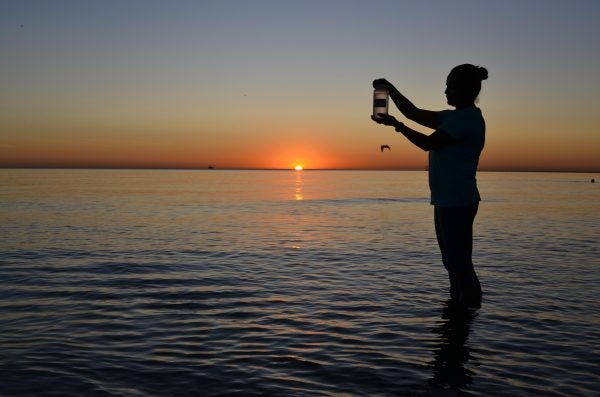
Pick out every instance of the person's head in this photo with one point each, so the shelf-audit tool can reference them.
(464, 83)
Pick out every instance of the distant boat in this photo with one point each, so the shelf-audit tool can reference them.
(210, 167)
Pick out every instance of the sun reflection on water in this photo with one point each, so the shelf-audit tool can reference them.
(298, 187)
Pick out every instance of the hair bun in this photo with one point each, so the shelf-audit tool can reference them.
(482, 72)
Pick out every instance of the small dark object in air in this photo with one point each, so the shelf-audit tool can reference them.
(385, 147)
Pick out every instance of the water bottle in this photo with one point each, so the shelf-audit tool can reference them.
(380, 101)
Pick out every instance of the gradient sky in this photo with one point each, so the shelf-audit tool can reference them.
(273, 84)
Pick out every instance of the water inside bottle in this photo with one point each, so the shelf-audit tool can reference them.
(380, 102)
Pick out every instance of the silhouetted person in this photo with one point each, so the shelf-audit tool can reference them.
(454, 149)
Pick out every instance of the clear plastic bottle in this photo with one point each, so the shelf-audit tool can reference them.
(380, 101)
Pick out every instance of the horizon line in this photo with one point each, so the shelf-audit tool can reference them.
(167, 168)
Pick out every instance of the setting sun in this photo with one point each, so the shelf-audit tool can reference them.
(298, 168)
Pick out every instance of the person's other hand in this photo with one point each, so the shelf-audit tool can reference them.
(382, 83)
(385, 119)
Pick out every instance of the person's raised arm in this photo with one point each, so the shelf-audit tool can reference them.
(426, 118)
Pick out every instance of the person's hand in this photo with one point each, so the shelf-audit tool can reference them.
(385, 119)
(383, 83)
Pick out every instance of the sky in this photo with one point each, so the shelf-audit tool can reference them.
(278, 83)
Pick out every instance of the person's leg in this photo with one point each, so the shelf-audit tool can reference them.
(444, 249)
(471, 291)
(455, 227)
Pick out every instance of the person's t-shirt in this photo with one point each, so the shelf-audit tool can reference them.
(452, 168)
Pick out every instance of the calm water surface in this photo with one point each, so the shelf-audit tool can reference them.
(313, 283)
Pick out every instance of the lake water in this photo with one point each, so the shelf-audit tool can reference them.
(312, 283)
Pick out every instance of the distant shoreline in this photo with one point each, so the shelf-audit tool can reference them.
(280, 169)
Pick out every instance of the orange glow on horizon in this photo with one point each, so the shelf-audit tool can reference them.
(309, 148)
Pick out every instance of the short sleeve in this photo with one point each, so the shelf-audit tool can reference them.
(450, 121)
